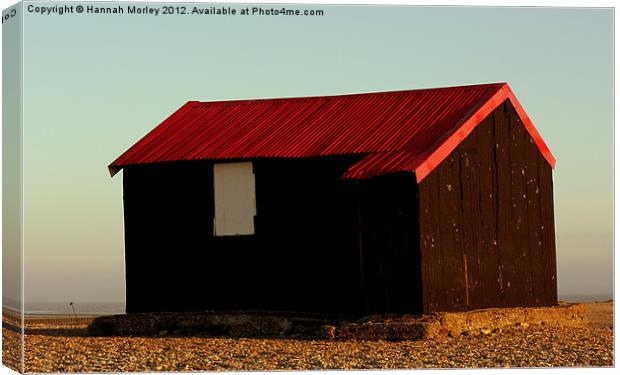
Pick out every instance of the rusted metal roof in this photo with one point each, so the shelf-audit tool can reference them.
(411, 130)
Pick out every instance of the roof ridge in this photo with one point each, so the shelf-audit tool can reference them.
(197, 103)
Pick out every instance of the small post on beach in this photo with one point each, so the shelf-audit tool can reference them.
(74, 314)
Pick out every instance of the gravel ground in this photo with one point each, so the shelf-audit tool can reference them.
(64, 349)
(516, 347)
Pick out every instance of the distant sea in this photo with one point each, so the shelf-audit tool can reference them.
(585, 297)
(109, 308)
(81, 308)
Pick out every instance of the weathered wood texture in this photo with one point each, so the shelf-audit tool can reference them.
(486, 222)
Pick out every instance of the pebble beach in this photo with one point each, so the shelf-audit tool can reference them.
(68, 348)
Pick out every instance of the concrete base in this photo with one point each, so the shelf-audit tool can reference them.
(378, 327)
(453, 324)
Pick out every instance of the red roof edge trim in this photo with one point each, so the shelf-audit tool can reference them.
(529, 126)
(451, 143)
(442, 152)
(118, 164)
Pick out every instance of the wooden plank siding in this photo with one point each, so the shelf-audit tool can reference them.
(390, 269)
(322, 244)
(486, 222)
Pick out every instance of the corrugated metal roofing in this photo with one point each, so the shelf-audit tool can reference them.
(410, 130)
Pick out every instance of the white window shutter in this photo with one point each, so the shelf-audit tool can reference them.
(235, 199)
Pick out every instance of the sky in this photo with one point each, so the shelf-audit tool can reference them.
(95, 84)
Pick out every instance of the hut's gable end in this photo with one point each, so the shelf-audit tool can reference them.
(486, 221)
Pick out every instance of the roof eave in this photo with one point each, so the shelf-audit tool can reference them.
(114, 170)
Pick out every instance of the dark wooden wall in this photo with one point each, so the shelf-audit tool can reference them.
(486, 222)
(305, 230)
(390, 254)
(321, 245)
(168, 219)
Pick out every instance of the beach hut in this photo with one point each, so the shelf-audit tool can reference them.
(392, 202)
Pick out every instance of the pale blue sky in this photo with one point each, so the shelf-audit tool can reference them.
(94, 84)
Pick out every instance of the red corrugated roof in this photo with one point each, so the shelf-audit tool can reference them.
(410, 130)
